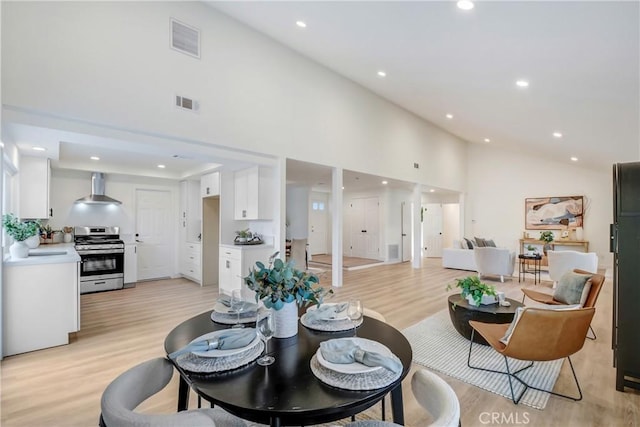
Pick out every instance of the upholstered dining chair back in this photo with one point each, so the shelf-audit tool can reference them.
(434, 395)
(543, 334)
(134, 386)
(299, 253)
(562, 261)
(494, 261)
(437, 397)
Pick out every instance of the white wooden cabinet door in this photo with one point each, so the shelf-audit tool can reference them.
(254, 189)
(210, 185)
(130, 263)
(241, 185)
(35, 179)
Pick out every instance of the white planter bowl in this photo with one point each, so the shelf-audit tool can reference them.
(33, 241)
(486, 300)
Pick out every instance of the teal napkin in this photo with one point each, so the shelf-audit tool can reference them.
(326, 312)
(227, 340)
(346, 351)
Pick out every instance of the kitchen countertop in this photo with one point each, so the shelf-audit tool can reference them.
(245, 247)
(46, 254)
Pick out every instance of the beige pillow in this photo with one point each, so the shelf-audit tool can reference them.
(571, 288)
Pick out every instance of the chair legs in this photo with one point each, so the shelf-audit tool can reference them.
(593, 332)
(514, 374)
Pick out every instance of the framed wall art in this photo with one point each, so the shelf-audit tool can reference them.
(554, 213)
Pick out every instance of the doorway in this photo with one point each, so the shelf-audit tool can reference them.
(432, 230)
(154, 234)
(318, 223)
(210, 239)
(364, 225)
(406, 234)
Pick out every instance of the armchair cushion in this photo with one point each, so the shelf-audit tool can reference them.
(494, 261)
(573, 288)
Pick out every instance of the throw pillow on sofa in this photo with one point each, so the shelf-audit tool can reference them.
(470, 243)
(480, 242)
(489, 243)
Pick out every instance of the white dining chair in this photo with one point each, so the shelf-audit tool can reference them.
(433, 394)
(137, 384)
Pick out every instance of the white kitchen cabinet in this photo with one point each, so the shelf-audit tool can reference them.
(40, 303)
(190, 263)
(210, 185)
(35, 181)
(130, 263)
(253, 193)
(235, 263)
(190, 211)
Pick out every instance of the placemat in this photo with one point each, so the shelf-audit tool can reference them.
(191, 362)
(367, 381)
(232, 318)
(329, 325)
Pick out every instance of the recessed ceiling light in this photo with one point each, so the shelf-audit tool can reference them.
(557, 135)
(384, 182)
(94, 158)
(487, 140)
(382, 74)
(343, 188)
(161, 166)
(39, 148)
(432, 191)
(449, 116)
(522, 83)
(574, 159)
(465, 4)
(301, 24)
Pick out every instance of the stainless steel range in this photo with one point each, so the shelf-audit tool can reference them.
(101, 258)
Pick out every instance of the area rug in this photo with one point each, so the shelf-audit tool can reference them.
(438, 346)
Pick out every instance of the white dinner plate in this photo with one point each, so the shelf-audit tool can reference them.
(338, 316)
(221, 353)
(356, 368)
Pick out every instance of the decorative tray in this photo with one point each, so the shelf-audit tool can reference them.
(253, 242)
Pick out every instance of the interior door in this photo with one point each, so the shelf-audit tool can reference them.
(154, 233)
(364, 227)
(318, 223)
(432, 229)
(405, 209)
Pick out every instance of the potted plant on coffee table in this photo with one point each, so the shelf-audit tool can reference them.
(475, 291)
(280, 286)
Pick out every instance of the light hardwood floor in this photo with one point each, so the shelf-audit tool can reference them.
(62, 386)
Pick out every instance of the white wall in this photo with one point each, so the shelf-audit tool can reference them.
(499, 181)
(450, 224)
(254, 93)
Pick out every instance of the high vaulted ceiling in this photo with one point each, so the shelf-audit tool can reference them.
(582, 60)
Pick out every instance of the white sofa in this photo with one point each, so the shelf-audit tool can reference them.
(494, 262)
(460, 259)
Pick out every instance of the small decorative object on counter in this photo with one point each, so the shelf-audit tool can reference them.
(67, 237)
(20, 231)
(246, 237)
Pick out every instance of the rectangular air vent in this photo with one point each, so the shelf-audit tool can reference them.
(187, 103)
(185, 38)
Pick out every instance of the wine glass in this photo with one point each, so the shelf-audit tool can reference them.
(237, 304)
(265, 326)
(354, 313)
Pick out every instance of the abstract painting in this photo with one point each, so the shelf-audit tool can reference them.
(554, 213)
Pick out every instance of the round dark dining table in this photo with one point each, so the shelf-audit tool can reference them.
(287, 392)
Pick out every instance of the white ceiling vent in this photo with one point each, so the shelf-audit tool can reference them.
(187, 103)
(185, 38)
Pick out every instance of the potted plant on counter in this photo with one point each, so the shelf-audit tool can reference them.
(280, 286)
(20, 231)
(242, 236)
(475, 291)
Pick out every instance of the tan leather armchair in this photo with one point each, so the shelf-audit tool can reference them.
(597, 280)
(540, 335)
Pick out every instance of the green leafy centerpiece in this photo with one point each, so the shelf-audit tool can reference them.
(19, 231)
(546, 237)
(475, 291)
(280, 287)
